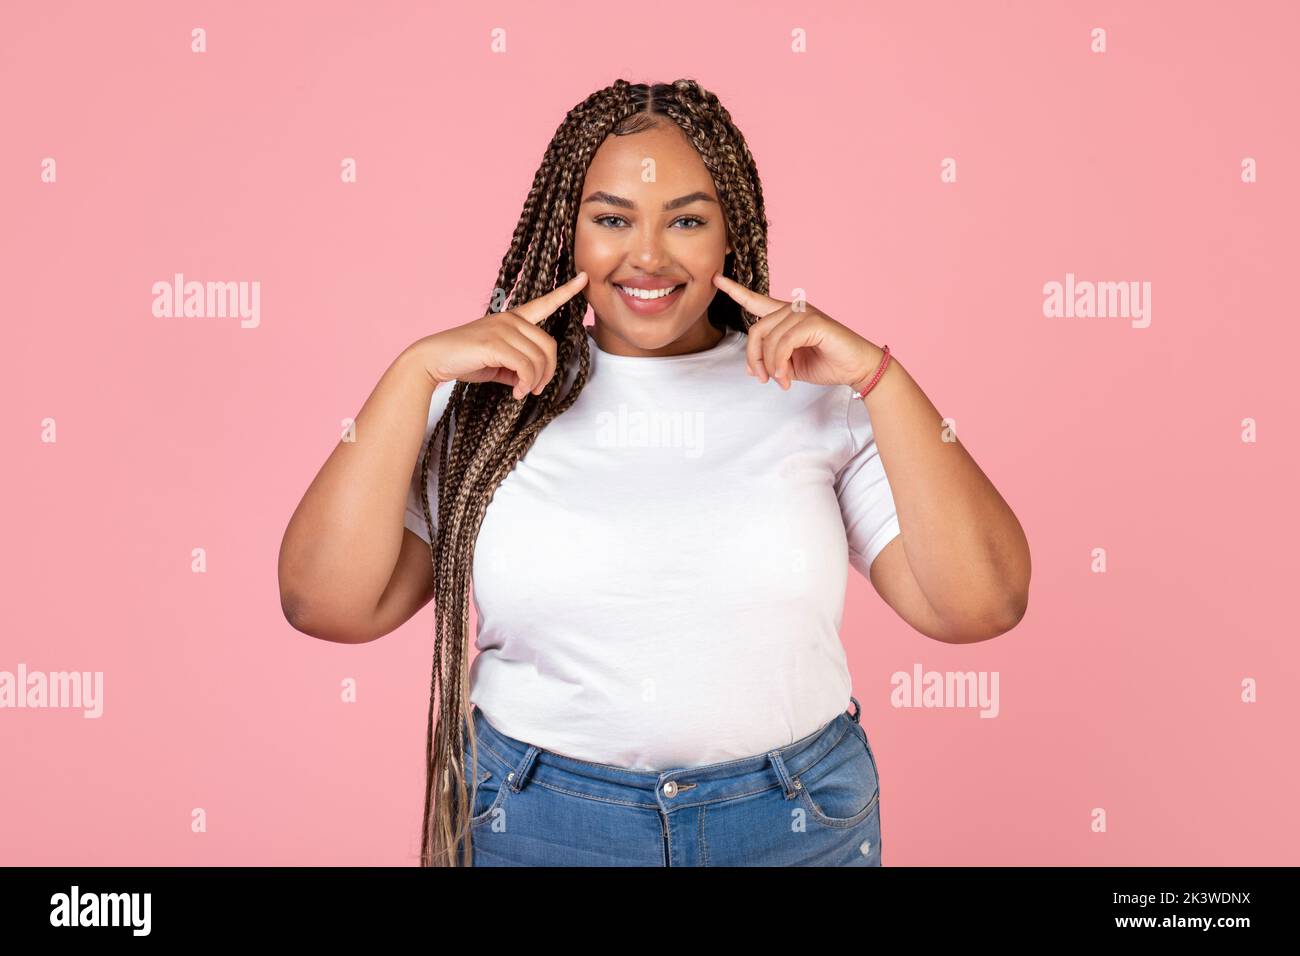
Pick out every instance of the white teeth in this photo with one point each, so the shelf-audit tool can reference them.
(648, 293)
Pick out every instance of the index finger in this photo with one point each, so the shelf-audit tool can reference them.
(753, 302)
(539, 309)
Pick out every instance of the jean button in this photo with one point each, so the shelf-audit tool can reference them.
(670, 788)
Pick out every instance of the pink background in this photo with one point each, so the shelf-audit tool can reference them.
(1119, 691)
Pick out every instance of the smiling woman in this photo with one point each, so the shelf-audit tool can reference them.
(658, 545)
(652, 262)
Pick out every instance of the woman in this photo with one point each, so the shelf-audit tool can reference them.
(660, 578)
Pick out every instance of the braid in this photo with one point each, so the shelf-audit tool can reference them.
(484, 431)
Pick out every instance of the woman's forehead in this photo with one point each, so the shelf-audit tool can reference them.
(648, 166)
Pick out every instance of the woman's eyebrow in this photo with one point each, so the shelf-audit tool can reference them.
(612, 200)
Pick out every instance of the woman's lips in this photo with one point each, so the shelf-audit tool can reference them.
(650, 306)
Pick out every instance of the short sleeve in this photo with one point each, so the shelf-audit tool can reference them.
(415, 520)
(866, 499)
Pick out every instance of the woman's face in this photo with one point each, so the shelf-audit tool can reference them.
(625, 235)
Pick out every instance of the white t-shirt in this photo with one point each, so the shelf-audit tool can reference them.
(660, 580)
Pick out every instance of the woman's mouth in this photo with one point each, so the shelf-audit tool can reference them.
(649, 301)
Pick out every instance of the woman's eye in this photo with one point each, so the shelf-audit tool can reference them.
(696, 220)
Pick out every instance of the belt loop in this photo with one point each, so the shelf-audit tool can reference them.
(516, 778)
(857, 709)
(782, 773)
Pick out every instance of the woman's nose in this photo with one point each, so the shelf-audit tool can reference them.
(649, 250)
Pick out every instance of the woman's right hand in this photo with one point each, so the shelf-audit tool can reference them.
(506, 347)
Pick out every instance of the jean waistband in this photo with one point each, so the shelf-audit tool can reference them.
(664, 789)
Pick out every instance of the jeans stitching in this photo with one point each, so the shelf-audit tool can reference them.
(704, 847)
(668, 832)
(852, 821)
(591, 796)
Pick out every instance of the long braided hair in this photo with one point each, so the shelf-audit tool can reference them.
(485, 431)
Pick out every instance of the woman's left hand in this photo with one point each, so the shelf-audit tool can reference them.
(805, 345)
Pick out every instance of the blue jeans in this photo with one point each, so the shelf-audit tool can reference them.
(815, 802)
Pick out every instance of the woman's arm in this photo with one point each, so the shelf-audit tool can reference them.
(961, 572)
(349, 570)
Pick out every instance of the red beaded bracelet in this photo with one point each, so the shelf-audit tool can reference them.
(876, 378)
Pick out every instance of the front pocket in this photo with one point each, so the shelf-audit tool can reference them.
(488, 796)
(842, 788)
